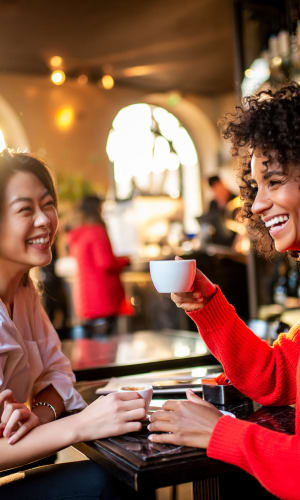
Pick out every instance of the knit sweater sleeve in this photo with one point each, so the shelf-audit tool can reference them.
(265, 374)
(272, 457)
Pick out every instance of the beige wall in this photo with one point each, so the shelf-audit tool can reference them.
(81, 148)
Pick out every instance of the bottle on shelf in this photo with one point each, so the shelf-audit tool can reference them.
(295, 54)
(293, 279)
(280, 288)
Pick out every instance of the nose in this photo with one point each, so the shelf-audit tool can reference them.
(41, 218)
(261, 203)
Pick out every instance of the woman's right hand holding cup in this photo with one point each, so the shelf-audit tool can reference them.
(203, 290)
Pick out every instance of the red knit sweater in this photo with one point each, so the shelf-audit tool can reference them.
(268, 375)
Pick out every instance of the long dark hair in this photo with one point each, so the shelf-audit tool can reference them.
(11, 163)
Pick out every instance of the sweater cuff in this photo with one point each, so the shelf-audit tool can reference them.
(225, 443)
(213, 313)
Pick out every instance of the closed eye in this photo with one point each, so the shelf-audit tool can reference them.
(24, 209)
(49, 203)
(274, 182)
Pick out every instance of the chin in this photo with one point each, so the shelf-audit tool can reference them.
(281, 248)
(286, 246)
(42, 262)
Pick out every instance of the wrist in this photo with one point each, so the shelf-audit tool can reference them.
(45, 411)
(211, 295)
(76, 427)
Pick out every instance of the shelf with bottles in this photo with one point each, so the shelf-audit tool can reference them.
(279, 59)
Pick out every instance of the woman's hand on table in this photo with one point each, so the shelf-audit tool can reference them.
(186, 423)
(112, 415)
(16, 419)
(203, 290)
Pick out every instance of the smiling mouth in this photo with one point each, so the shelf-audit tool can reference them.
(276, 222)
(39, 241)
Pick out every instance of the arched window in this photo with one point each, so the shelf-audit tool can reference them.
(12, 133)
(153, 154)
(2, 141)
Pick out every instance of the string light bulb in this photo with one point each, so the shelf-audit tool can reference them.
(64, 117)
(107, 82)
(82, 79)
(58, 77)
(56, 61)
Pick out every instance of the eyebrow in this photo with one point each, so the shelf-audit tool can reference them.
(24, 198)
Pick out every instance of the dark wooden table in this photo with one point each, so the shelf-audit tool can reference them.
(146, 466)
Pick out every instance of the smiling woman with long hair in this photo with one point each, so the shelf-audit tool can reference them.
(36, 380)
(265, 134)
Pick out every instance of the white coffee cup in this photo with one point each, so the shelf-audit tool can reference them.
(144, 390)
(172, 276)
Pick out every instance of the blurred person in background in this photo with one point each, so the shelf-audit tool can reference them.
(217, 213)
(54, 294)
(98, 292)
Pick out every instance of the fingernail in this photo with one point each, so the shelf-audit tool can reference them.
(148, 427)
(11, 440)
(150, 437)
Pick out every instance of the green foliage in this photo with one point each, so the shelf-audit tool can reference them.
(73, 187)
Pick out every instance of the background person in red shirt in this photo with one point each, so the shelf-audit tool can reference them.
(98, 291)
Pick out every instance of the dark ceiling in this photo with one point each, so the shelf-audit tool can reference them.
(156, 45)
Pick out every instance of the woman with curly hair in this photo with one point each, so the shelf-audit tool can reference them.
(265, 134)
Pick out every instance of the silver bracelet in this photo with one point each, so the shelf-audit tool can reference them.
(45, 403)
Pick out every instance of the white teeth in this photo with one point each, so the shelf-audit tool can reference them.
(276, 220)
(38, 241)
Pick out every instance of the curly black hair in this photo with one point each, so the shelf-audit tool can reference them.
(270, 122)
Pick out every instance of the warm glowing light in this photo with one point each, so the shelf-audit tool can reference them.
(139, 70)
(107, 82)
(56, 61)
(276, 61)
(2, 141)
(151, 251)
(234, 203)
(64, 118)
(249, 73)
(82, 79)
(255, 76)
(58, 77)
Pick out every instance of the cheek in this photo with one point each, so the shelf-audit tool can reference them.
(295, 214)
(54, 221)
